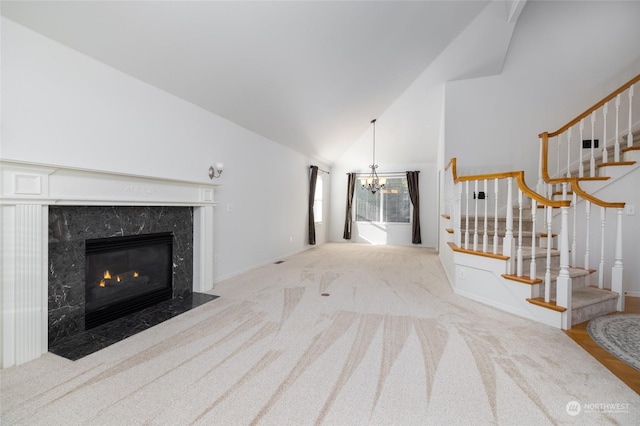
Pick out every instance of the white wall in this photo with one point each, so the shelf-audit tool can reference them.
(409, 134)
(405, 140)
(63, 108)
(563, 57)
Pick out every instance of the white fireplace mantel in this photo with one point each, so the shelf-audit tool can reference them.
(26, 192)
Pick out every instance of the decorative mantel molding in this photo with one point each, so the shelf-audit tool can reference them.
(26, 191)
(35, 183)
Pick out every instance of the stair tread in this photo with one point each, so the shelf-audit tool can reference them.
(573, 272)
(541, 252)
(586, 296)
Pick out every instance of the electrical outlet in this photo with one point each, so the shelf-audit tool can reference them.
(229, 207)
(462, 273)
(290, 239)
(630, 209)
(216, 258)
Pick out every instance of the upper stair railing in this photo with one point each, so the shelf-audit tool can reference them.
(605, 131)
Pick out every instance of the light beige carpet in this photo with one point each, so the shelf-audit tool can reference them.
(391, 344)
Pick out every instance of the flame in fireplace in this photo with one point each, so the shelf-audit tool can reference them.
(101, 283)
(107, 275)
(118, 278)
(136, 275)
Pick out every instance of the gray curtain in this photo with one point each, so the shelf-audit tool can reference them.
(312, 196)
(351, 185)
(412, 180)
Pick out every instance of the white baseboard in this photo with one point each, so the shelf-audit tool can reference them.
(259, 265)
(494, 304)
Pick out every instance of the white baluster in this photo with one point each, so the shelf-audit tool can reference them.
(605, 154)
(630, 134)
(532, 265)
(475, 220)
(507, 242)
(563, 281)
(616, 152)
(574, 245)
(485, 236)
(458, 220)
(495, 217)
(544, 227)
(466, 230)
(592, 159)
(617, 284)
(603, 215)
(547, 273)
(569, 152)
(519, 251)
(581, 165)
(448, 196)
(586, 250)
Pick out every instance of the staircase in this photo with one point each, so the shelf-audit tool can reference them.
(588, 301)
(533, 253)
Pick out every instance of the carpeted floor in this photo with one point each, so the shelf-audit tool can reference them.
(390, 344)
(619, 335)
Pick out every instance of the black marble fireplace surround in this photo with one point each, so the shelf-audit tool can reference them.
(70, 226)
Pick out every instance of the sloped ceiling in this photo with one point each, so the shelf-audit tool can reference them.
(307, 74)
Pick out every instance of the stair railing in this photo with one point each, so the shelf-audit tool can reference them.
(593, 244)
(613, 129)
(471, 199)
(560, 175)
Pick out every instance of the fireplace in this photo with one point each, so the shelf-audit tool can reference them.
(87, 241)
(43, 283)
(126, 274)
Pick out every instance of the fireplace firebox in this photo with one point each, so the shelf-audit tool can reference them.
(126, 274)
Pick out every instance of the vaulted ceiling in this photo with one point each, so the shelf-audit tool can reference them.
(307, 74)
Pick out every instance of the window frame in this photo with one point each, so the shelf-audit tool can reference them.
(318, 204)
(382, 202)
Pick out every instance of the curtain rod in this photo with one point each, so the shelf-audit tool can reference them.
(320, 170)
(385, 173)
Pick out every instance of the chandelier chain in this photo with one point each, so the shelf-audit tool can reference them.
(373, 183)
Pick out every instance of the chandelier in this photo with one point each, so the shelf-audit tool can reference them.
(373, 183)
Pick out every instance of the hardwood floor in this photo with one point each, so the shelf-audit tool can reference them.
(624, 372)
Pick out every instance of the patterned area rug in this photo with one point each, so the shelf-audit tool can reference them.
(619, 335)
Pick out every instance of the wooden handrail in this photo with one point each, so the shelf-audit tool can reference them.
(574, 181)
(518, 175)
(575, 186)
(539, 198)
(454, 168)
(545, 163)
(594, 107)
(488, 176)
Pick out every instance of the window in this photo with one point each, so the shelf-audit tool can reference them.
(389, 205)
(317, 201)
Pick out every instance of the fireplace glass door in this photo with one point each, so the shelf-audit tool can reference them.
(126, 274)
